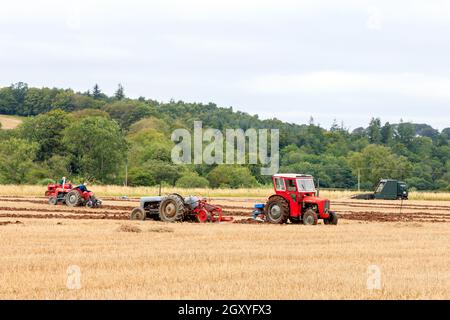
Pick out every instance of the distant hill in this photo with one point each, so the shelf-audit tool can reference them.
(9, 122)
(56, 120)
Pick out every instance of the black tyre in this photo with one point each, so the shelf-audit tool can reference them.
(178, 195)
(296, 220)
(277, 210)
(172, 209)
(309, 217)
(332, 219)
(94, 203)
(138, 214)
(53, 201)
(73, 198)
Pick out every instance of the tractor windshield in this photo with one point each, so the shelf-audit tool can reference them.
(306, 185)
(380, 187)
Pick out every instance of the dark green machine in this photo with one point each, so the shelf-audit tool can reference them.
(391, 190)
(387, 189)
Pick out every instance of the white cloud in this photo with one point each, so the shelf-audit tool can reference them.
(273, 56)
(374, 21)
(432, 11)
(217, 45)
(341, 82)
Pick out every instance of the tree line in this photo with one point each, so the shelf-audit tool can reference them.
(116, 140)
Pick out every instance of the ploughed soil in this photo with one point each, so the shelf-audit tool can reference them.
(241, 209)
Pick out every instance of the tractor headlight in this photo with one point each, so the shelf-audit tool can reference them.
(327, 206)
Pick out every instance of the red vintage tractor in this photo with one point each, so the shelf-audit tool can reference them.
(296, 199)
(73, 197)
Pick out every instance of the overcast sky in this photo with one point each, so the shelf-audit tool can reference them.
(346, 60)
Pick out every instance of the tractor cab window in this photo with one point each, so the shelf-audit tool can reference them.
(279, 184)
(306, 185)
(291, 185)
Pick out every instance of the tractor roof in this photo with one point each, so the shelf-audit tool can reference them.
(292, 175)
(386, 180)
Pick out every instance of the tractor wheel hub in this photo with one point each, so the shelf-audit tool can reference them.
(170, 209)
(275, 211)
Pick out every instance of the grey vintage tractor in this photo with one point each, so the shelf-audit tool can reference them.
(176, 208)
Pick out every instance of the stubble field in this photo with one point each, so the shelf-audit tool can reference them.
(122, 259)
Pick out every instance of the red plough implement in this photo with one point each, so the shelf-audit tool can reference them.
(205, 212)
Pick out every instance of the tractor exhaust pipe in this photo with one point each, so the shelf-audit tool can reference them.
(318, 187)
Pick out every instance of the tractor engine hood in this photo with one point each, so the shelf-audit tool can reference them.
(323, 205)
(313, 199)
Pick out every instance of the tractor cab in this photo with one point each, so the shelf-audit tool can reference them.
(297, 186)
(296, 199)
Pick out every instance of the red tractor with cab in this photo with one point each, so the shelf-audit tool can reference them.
(296, 199)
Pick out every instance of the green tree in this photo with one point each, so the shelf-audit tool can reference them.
(192, 180)
(154, 172)
(446, 133)
(90, 113)
(8, 104)
(387, 133)
(139, 176)
(19, 91)
(376, 162)
(37, 101)
(231, 176)
(16, 160)
(64, 100)
(374, 131)
(98, 148)
(47, 130)
(127, 112)
(96, 92)
(405, 133)
(58, 166)
(149, 144)
(120, 93)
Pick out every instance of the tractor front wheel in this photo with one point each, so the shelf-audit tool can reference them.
(73, 198)
(53, 201)
(277, 210)
(332, 219)
(310, 217)
(137, 214)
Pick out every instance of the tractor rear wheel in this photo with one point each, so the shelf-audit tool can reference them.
(73, 198)
(310, 217)
(277, 210)
(53, 201)
(172, 209)
(137, 214)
